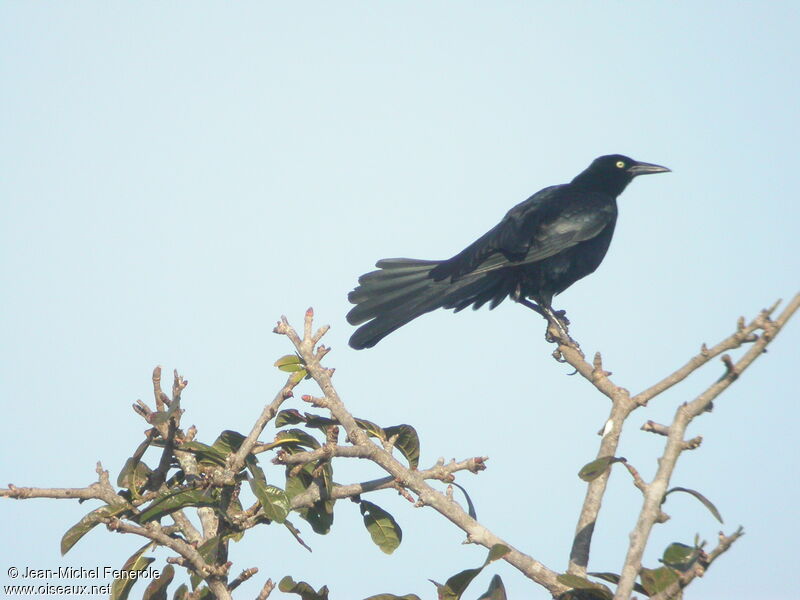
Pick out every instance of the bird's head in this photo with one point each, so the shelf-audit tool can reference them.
(613, 172)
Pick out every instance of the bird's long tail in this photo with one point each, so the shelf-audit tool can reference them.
(402, 290)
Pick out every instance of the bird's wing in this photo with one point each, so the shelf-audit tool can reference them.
(547, 223)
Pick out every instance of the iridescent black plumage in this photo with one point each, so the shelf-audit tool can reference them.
(541, 247)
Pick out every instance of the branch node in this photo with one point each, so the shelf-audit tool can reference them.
(315, 401)
(477, 464)
(404, 492)
(598, 372)
(693, 443)
(730, 368)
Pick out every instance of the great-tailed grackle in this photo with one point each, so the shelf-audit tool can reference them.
(540, 248)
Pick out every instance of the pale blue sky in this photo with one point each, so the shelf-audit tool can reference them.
(174, 177)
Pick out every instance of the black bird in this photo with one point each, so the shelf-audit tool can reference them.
(540, 248)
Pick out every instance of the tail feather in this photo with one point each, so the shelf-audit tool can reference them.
(371, 287)
(406, 264)
(378, 328)
(403, 289)
(397, 293)
(374, 305)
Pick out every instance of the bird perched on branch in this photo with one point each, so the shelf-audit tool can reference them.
(540, 248)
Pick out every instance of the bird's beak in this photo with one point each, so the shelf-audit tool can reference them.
(643, 168)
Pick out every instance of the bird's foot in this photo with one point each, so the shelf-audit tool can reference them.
(558, 329)
(557, 332)
(557, 324)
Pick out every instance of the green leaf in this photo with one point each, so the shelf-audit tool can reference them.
(706, 502)
(296, 485)
(496, 552)
(206, 454)
(293, 437)
(319, 422)
(596, 468)
(382, 527)
(131, 465)
(657, 580)
(256, 471)
(121, 586)
(319, 516)
(470, 505)
(496, 591)
(299, 376)
(174, 500)
(214, 551)
(614, 578)
(289, 416)
(302, 589)
(371, 429)
(133, 475)
(273, 500)
(610, 577)
(326, 470)
(407, 442)
(182, 593)
(157, 589)
(290, 363)
(82, 527)
(588, 589)
(680, 556)
(457, 584)
(195, 580)
(228, 442)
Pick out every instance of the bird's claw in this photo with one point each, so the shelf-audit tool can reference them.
(561, 334)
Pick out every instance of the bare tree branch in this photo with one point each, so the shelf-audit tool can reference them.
(676, 444)
(202, 468)
(623, 404)
(439, 472)
(476, 533)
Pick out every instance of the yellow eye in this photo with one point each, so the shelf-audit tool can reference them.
(620, 164)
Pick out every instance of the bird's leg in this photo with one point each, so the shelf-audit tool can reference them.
(532, 306)
(557, 319)
(561, 315)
